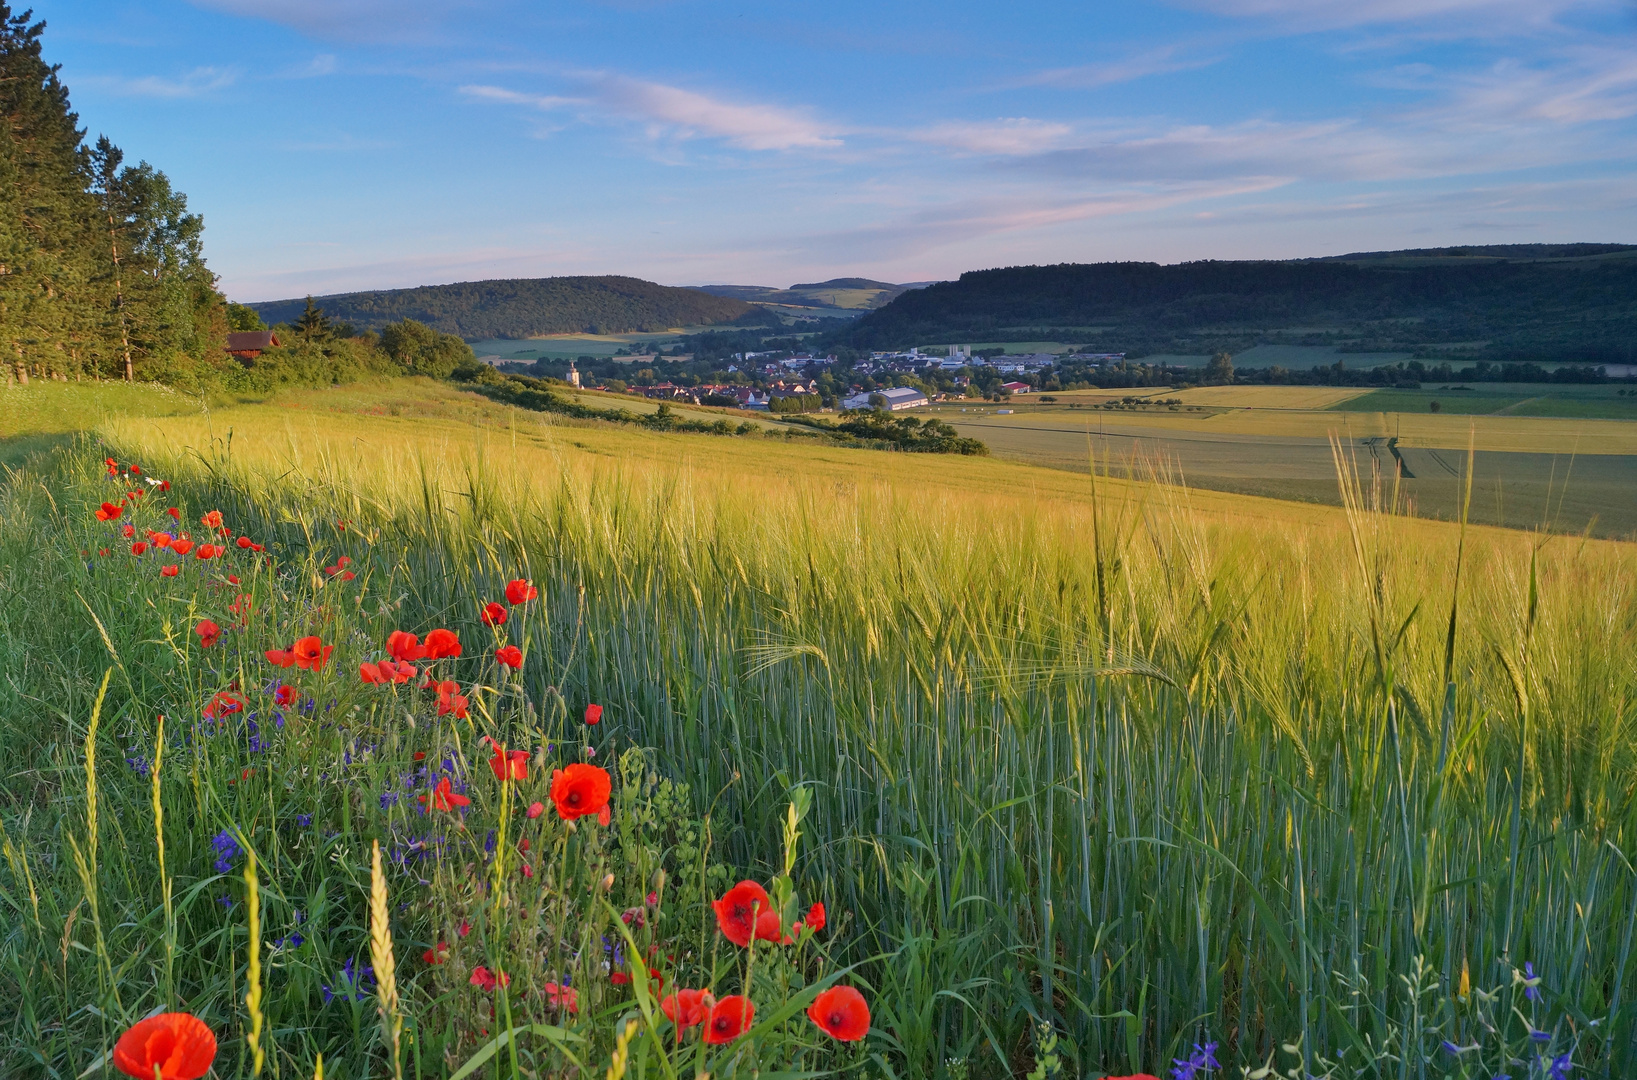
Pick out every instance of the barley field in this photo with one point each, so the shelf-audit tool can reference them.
(1095, 774)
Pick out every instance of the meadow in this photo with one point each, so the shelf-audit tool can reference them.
(1094, 774)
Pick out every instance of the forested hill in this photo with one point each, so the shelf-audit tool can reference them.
(1523, 302)
(525, 307)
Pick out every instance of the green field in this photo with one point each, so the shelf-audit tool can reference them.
(1158, 766)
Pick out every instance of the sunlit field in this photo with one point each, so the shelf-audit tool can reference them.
(1178, 775)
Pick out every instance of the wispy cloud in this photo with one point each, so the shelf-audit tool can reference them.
(1090, 76)
(1018, 135)
(196, 83)
(673, 112)
(359, 20)
(1482, 17)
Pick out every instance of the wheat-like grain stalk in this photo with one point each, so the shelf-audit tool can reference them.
(380, 950)
(159, 842)
(252, 1000)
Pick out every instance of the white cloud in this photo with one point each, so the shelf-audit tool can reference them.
(1090, 76)
(1481, 17)
(670, 111)
(196, 83)
(1018, 135)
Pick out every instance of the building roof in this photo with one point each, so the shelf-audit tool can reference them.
(251, 341)
(901, 393)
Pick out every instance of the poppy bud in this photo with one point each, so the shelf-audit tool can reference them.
(608, 883)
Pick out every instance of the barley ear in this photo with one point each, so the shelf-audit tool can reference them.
(252, 1000)
(622, 1051)
(380, 951)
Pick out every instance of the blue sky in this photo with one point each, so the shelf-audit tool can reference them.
(347, 144)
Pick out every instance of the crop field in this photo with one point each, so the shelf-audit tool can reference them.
(568, 346)
(1268, 397)
(1608, 401)
(1307, 357)
(1176, 772)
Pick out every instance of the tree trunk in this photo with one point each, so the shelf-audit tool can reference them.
(119, 298)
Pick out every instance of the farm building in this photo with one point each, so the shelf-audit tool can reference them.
(900, 397)
(1016, 387)
(248, 344)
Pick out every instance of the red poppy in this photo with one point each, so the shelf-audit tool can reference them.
(437, 954)
(109, 511)
(520, 591)
(841, 1013)
(509, 766)
(224, 704)
(134, 469)
(511, 656)
(493, 614)
(160, 539)
(441, 643)
(581, 790)
(450, 700)
(207, 551)
(311, 653)
(404, 646)
(487, 981)
(128, 531)
(182, 545)
(593, 714)
(686, 1008)
(535, 810)
(737, 911)
(286, 696)
(444, 798)
(420, 755)
(769, 928)
(175, 1046)
(729, 1019)
(209, 633)
(174, 512)
(526, 870)
(233, 579)
(212, 520)
(139, 547)
(561, 997)
(170, 571)
(242, 604)
(113, 466)
(465, 927)
(281, 657)
(815, 916)
(244, 543)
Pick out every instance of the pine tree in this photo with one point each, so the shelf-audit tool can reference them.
(313, 325)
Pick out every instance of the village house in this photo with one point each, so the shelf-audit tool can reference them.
(248, 344)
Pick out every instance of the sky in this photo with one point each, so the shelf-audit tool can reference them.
(335, 145)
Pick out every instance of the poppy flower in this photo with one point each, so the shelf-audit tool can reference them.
(140, 547)
(242, 604)
(493, 614)
(233, 579)
(207, 551)
(160, 539)
(311, 653)
(437, 954)
(737, 911)
(420, 755)
(170, 571)
(128, 531)
(113, 466)
(212, 520)
(593, 714)
(175, 1046)
(103, 552)
(687, 1008)
(520, 591)
(182, 545)
(511, 656)
(286, 696)
(465, 927)
(402, 646)
(561, 997)
(770, 928)
(581, 790)
(223, 705)
(450, 700)
(841, 1013)
(281, 657)
(509, 766)
(486, 980)
(526, 870)
(729, 1019)
(174, 512)
(444, 798)
(535, 810)
(209, 633)
(441, 643)
(244, 543)
(815, 916)
(109, 511)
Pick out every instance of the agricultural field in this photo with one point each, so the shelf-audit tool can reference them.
(994, 719)
(569, 346)
(1567, 475)
(1608, 401)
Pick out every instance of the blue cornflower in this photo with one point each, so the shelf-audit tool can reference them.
(1540, 1036)
(227, 849)
(389, 799)
(1203, 1059)
(1531, 988)
(1559, 1069)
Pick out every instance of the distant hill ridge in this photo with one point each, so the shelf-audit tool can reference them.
(525, 307)
(836, 295)
(1562, 302)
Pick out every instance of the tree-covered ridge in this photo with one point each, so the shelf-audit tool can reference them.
(526, 307)
(1555, 309)
(101, 268)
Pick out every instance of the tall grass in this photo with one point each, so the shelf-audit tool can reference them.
(1147, 776)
